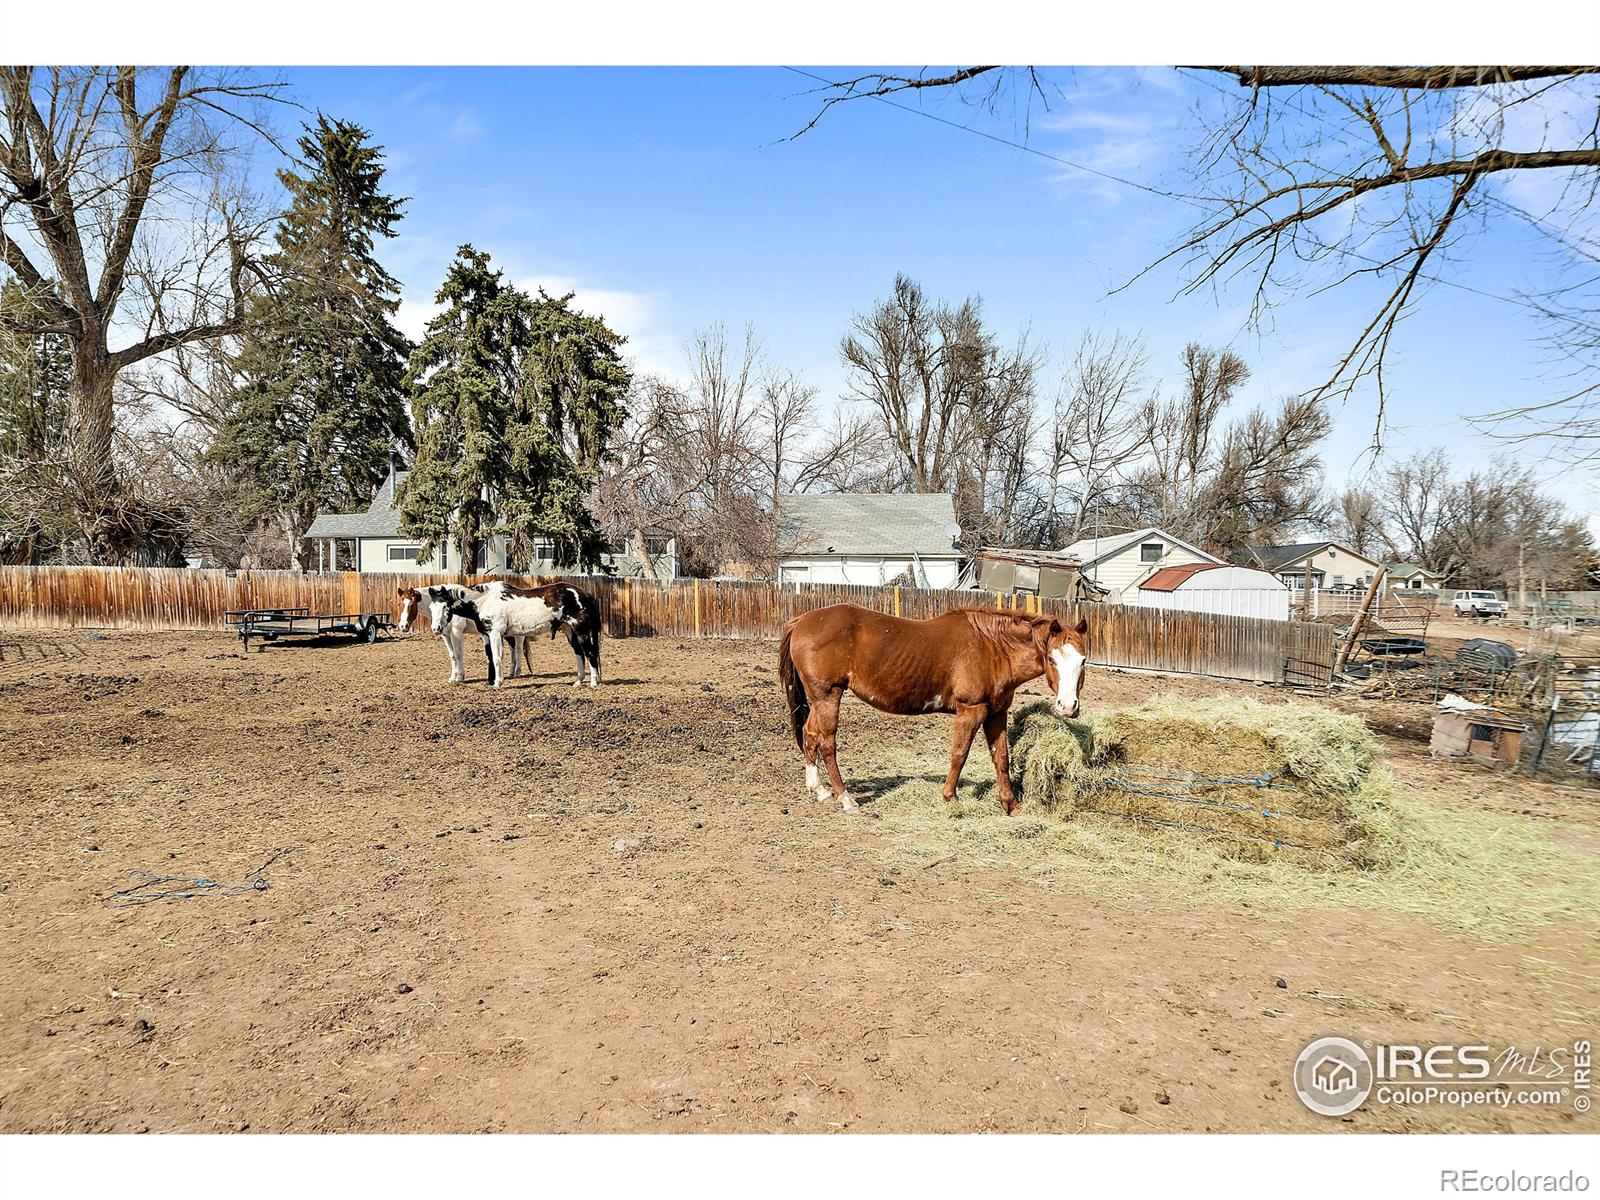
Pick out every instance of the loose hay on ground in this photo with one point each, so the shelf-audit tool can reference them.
(1379, 846)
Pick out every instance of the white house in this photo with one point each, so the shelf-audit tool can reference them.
(1321, 564)
(869, 539)
(1412, 577)
(1216, 588)
(372, 541)
(1119, 562)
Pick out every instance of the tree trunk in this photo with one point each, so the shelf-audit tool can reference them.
(103, 514)
(643, 553)
(468, 546)
(295, 525)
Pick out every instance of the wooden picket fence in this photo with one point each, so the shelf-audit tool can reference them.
(1165, 640)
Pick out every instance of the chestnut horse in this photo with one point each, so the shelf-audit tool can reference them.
(968, 662)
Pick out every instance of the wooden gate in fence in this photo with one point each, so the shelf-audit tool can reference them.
(1140, 638)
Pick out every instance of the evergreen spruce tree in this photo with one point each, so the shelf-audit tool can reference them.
(463, 385)
(35, 382)
(514, 400)
(321, 395)
(568, 406)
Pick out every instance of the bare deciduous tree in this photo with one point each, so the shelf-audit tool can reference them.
(119, 214)
(955, 407)
(1415, 493)
(1358, 522)
(1105, 416)
(1182, 466)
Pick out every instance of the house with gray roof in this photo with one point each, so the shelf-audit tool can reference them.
(870, 539)
(1313, 564)
(372, 541)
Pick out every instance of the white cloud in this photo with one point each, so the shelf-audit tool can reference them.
(634, 314)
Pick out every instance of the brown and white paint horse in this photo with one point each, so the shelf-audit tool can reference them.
(968, 662)
(504, 613)
(452, 633)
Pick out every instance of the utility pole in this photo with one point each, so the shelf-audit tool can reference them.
(1522, 573)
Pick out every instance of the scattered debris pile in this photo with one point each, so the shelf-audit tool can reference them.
(1463, 729)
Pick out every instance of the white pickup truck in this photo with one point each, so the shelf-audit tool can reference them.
(1478, 604)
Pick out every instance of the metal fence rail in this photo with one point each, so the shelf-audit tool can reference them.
(1153, 639)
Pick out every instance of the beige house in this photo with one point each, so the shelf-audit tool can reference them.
(1314, 564)
(1120, 562)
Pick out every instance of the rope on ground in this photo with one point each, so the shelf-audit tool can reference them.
(1276, 843)
(1144, 783)
(191, 888)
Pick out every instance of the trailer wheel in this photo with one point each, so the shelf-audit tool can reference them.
(370, 634)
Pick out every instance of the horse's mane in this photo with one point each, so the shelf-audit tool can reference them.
(1002, 625)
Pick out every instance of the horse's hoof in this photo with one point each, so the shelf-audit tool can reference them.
(824, 793)
(847, 803)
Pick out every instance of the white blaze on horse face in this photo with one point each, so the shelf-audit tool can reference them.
(437, 604)
(408, 609)
(1069, 661)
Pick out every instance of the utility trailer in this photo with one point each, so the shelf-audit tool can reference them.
(270, 624)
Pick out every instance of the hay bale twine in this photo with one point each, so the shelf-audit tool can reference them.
(1259, 781)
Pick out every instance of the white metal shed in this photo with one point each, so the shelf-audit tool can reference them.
(1216, 588)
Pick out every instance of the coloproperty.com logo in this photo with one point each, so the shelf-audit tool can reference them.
(1335, 1076)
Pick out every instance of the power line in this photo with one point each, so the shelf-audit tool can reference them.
(994, 137)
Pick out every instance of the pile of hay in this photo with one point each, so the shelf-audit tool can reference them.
(1259, 781)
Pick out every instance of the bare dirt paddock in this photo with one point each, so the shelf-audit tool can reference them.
(541, 910)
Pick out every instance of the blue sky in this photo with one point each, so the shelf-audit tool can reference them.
(669, 199)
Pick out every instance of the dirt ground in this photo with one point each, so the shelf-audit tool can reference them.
(544, 910)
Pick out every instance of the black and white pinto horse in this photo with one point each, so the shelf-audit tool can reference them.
(454, 631)
(503, 613)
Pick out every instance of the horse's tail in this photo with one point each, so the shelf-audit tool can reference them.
(794, 693)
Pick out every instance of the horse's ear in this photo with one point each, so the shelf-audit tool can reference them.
(1045, 628)
(1082, 627)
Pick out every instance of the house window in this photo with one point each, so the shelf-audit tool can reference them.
(1338, 581)
(1150, 552)
(405, 554)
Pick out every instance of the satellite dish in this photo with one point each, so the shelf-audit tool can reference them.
(953, 531)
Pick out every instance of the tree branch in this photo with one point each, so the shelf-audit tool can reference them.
(1422, 78)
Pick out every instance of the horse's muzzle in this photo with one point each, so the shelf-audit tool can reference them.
(1068, 711)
